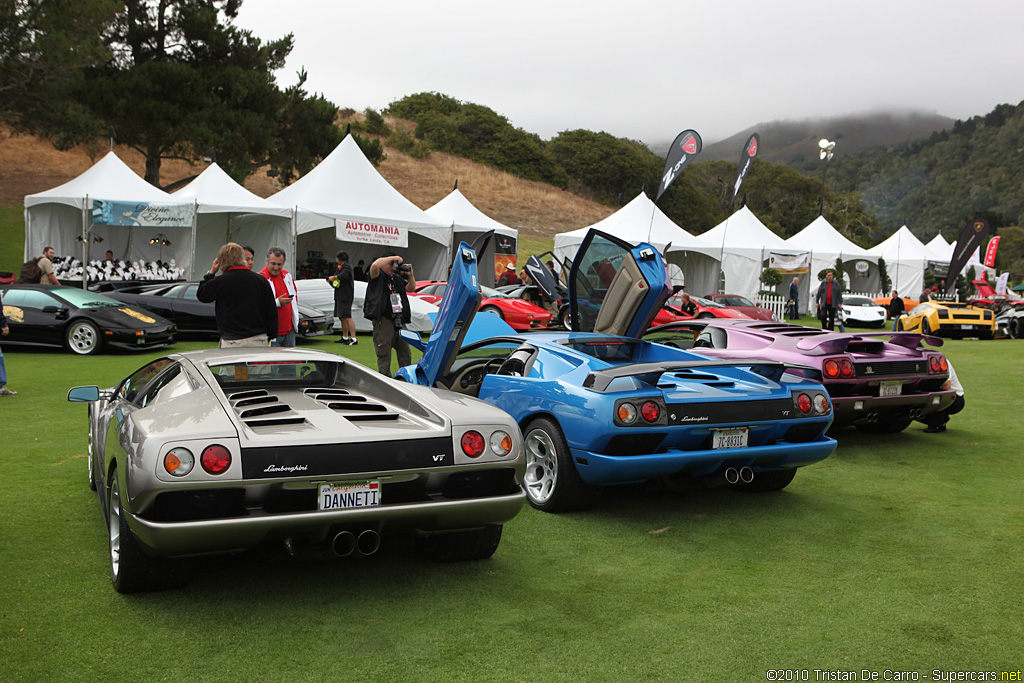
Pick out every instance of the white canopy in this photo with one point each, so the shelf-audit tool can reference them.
(62, 217)
(744, 243)
(905, 259)
(227, 212)
(642, 221)
(825, 244)
(942, 249)
(368, 216)
(469, 223)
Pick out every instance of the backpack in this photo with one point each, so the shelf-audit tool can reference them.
(30, 272)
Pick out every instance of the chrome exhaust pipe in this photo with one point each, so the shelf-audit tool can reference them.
(872, 417)
(746, 475)
(368, 542)
(732, 475)
(343, 544)
(916, 413)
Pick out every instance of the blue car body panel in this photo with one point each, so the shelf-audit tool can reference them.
(580, 378)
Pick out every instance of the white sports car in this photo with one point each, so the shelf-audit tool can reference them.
(222, 450)
(860, 311)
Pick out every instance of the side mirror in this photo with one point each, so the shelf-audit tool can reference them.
(413, 339)
(84, 394)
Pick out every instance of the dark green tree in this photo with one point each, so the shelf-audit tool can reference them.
(606, 168)
(185, 82)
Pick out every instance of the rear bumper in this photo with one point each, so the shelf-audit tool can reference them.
(860, 409)
(600, 469)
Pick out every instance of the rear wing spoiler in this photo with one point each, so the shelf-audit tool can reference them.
(838, 344)
(650, 373)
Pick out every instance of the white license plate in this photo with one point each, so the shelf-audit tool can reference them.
(353, 494)
(890, 388)
(729, 438)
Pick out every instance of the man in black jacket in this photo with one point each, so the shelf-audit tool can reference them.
(344, 292)
(244, 302)
(896, 308)
(387, 307)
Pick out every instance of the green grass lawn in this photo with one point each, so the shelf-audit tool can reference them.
(901, 552)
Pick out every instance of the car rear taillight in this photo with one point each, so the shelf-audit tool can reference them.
(846, 368)
(501, 443)
(820, 404)
(627, 413)
(943, 365)
(179, 462)
(803, 402)
(933, 364)
(216, 459)
(472, 444)
(650, 411)
(831, 368)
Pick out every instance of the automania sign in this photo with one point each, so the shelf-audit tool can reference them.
(373, 233)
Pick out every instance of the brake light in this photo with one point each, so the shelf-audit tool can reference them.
(943, 365)
(650, 411)
(803, 402)
(216, 459)
(846, 368)
(472, 444)
(831, 368)
(933, 364)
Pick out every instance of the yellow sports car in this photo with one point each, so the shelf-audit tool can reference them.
(948, 319)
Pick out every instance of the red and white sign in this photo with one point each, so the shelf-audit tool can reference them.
(372, 233)
(990, 253)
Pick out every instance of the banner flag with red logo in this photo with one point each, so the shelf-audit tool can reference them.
(746, 160)
(970, 239)
(990, 253)
(684, 148)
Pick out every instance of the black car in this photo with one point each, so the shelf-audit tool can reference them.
(178, 302)
(80, 320)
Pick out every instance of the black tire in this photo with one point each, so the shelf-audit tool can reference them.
(1013, 328)
(986, 335)
(565, 318)
(899, 325)
(772, 480)
(925, 327)
(131, 570)
(493, 309)
(887, 425)
(82, 337)
(461, 545)
(552, 483)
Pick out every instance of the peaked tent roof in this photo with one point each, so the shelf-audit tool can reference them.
(744, 231)
(942, 249)
(821, 237)
(638, 221)
(456, 210)
(109, 178)
(214, 191)
(902, 245)
(346, 187)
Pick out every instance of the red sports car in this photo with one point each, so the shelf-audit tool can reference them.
(520, 314)
(705, 308)
(743, 305)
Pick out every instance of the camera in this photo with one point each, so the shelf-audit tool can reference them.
(404, 268)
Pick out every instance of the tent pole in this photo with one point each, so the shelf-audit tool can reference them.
(192, 255)
(85, 244)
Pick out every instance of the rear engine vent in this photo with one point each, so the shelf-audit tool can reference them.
(352, 407)
(264, 410)
(238, 395)
(254, 406)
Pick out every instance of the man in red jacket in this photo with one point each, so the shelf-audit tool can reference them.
(284, 297)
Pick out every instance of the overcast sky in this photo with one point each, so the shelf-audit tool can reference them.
(648, 69)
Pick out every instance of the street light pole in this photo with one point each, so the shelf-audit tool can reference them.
(825, 151)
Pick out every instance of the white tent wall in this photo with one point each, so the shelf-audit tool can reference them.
(54, 225)
(745, 244)
(905, 260)
(825, 244)
(699, 271)
(261, 232)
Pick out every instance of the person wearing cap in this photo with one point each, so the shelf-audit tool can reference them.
(509, 276)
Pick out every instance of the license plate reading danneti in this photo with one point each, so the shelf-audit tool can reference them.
(352, 494)
(729, 438)
(890, 388)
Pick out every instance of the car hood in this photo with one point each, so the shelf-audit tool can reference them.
(126, 316)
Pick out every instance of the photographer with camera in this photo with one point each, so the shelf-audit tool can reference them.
(387, 307)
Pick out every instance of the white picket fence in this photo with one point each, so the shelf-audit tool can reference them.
(774, 303)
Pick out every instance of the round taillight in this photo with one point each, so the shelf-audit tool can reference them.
(472, 444)
(846, 368)
(179, 462)
(943, 365)
(501, 443)
(627, 413)
(933, 364)
(831, 368)
(820, 404)
(216, 459)
(803, 402)
(650, 411)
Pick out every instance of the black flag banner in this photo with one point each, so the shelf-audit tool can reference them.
(684, 148)
(970, 239)
(746, 160)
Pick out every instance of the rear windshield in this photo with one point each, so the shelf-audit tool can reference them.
(617, 351)
(295, 373)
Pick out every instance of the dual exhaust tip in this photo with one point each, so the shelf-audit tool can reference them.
(741, 475)
(913, 414)
(347, 543)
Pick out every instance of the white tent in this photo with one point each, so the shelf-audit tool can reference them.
(469, 223)
(345, 204)
(825, 244)
(109, 203)
(227, 212)
(942, 249)
(906, 258)
(642, 221)
(744, 244)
